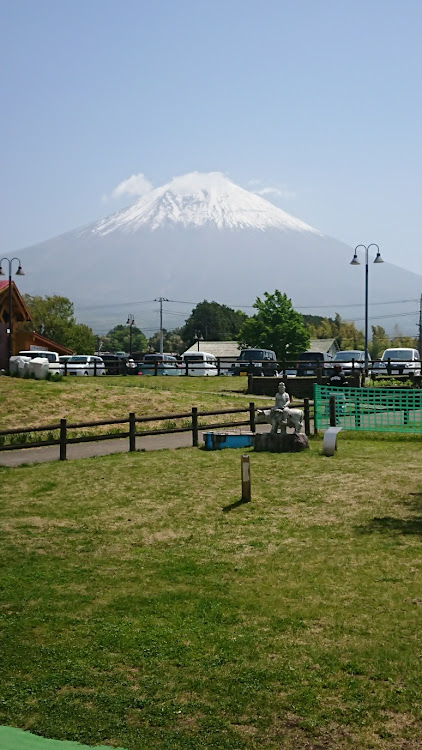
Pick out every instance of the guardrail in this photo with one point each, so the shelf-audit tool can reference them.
(230, 366)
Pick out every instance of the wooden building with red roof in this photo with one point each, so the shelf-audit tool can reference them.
(22, 338)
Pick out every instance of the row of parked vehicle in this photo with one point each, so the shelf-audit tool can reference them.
(394, 361)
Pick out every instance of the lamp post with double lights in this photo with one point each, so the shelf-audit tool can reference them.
(199, 337)
(355, 262)
(19, 272)
(130, 322)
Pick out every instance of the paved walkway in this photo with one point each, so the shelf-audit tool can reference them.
(103, 448)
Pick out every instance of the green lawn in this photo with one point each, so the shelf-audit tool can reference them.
(135, 612)
(32, 403)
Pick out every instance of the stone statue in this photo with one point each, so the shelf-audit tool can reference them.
(280, 416)
(280, 419)
(282, 399)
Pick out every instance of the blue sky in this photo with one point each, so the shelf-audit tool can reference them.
(317, 99)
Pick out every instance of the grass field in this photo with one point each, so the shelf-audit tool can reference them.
(135, 612)
(32, 403)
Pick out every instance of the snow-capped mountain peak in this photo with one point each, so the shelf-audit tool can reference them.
(198, 200)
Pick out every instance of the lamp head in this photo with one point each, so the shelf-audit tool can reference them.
(1, 272)
(355, 261)
(378, 258)
(19, 272)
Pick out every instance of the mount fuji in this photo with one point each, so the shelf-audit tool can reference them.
(198, 237)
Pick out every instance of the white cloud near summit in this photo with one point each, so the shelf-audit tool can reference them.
(136, 185)
(276, 192)
(258, 187)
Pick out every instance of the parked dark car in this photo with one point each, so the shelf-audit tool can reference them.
(115, 364)
(309, 362)
(257, 362)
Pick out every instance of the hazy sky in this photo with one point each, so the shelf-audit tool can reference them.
(319, 100)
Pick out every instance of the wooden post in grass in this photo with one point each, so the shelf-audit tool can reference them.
(307, 417)
(333, 420)
(194, 426)
(132, 432)
(63, 444)
(246, 478)
(252, 416)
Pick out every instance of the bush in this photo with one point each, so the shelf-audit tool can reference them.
(390, 383)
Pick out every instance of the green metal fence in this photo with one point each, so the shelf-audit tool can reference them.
(374, 409)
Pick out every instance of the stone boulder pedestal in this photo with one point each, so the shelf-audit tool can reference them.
(273, 442)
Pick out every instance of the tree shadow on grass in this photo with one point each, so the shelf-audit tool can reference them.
(391, 525)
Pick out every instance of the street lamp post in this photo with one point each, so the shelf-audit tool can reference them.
(355, 262)
(130, 323)
(19, 272)
(199, 337)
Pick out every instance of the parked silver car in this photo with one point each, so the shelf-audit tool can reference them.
(350, 360)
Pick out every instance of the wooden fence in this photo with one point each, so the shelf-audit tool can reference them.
(131, 433)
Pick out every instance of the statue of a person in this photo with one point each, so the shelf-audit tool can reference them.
(282, 399)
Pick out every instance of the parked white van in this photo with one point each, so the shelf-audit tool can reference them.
(403, 361)
(200, 363)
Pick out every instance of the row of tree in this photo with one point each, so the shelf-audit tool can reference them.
(275, 325)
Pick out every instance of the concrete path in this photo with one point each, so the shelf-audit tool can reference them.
(103, 448)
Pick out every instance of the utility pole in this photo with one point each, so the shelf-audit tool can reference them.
(161, 300)
(420, 328)
(130, 323)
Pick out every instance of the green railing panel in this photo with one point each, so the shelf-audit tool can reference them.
(370, 409)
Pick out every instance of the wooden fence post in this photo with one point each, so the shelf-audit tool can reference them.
(307, 416)
(333, 419)
(132, 432)
(218, 366)
(245, 472)
(250, 383)
(194, 426)
(63, 443)
(252, 416)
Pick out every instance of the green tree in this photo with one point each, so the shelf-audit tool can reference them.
(380, 341)
(53, 317)
(118, 339)
(399, 339)
(82, 339)
(277, 326)
(350, 337)
(172, 341)
(214, 322)
(326, 329)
